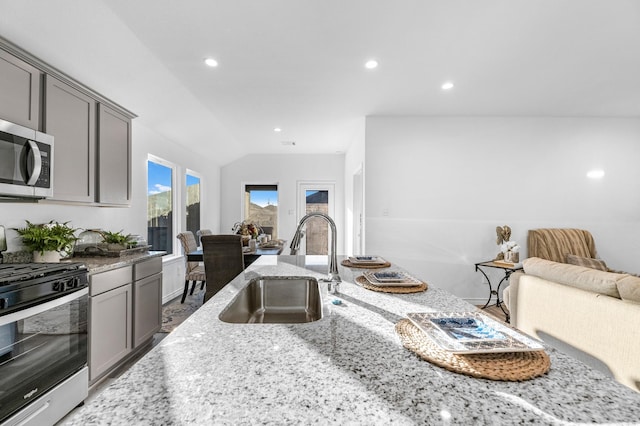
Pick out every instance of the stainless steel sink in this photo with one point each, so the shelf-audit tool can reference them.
(276, 300)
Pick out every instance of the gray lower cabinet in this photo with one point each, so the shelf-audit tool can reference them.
(114, 157)
(125, 311)
(19, 91)
(110, 320)
(70, 116)
(147, 300)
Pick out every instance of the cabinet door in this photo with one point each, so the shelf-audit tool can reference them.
(109, 329)
(70, 116)
(19, 91)
(114, 157)
(147, 311)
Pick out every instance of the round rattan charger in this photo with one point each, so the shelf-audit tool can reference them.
(391, 289)
(349, 264)
(506, 366)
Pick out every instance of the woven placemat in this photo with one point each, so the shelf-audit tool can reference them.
(391, 289)
(506, 366)
(347, 263)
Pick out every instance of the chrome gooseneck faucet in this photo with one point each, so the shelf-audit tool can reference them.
(334, 277)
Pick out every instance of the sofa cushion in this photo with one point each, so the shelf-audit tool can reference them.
(587, 262)
(575, 276)
(629, 288)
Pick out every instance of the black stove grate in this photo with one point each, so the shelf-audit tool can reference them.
(16, 272)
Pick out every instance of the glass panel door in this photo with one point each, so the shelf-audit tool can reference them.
(316, 198)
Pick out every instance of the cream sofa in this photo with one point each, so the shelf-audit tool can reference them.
(590, 314)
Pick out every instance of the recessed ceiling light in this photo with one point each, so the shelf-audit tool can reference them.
(371, 64)
(447, 86)
(595, 174)
(277, 129)
(288, 143)
(211, 62)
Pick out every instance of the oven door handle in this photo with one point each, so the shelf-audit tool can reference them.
(38, 309)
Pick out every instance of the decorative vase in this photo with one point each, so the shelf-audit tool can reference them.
(46, 257)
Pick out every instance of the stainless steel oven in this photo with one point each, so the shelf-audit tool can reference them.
(26, 162)
(43, 341)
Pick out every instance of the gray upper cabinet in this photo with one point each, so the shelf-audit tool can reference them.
(92, 134)
(70, 116)
(19, 91)
(114, 157)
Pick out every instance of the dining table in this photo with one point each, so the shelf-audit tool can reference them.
(250, 256)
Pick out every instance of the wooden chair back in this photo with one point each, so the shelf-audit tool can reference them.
(223, 260)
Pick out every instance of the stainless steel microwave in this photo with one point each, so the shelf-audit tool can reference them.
(26, 162)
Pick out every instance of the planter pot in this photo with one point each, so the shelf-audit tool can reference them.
(46, 257)
(512, 257)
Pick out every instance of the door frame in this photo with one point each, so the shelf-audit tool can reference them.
(357, 246)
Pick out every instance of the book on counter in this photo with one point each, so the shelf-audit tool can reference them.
(466, 329)
(471, 333)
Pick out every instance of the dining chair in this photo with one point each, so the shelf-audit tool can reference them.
(202, 232)
(194, 272)
(223, 261)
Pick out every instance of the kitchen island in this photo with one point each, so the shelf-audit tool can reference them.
(347, 368)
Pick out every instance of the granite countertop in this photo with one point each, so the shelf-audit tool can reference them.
(347, 368)
(104, 263)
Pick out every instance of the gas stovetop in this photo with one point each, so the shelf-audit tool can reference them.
(23, 285)
(11, 273)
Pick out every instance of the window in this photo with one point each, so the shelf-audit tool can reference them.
(160, 201)
(261, 207)
(193, 202)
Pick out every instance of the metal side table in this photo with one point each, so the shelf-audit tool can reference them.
(508, 270)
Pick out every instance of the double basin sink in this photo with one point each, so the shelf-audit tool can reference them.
(283, 300)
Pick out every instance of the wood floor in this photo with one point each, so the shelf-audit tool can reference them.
(495, 312)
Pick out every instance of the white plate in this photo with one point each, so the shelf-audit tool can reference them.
(499, 337)
(403, 279)
(389, 276)
(367, 260)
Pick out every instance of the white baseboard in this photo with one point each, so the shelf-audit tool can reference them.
(169, 297)
(476, 301)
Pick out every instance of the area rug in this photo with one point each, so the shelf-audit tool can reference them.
(174, 313)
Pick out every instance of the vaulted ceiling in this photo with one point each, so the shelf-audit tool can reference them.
(299, 64)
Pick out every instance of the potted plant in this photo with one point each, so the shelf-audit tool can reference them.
(117, 240)
(48, 241)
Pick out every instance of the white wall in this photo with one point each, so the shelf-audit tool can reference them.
(353, 163)
(438, 187)
(133, 219)
(285, 171)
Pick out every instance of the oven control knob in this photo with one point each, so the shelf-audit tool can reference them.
(73, 283)
(58, 286)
